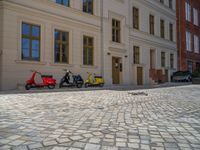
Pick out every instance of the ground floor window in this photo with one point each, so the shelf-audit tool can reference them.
(190, 66)
(30, 42)
(198, 65)
(162, 59)
(88, 50)
(61, 49)
(136, 55)
(171, 60)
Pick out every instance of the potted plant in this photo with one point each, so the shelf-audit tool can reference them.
(196, 76)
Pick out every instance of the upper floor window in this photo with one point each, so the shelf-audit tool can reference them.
(187, 11)
(61, 49)
(162, 1)
(171, 4)
(63, 2)
(135, 18)
(88, 50)
(116, 29)
(171, 32)
(151, 24)
(136, 55)
(88, 6)
(162, 28)
(196, 44)
(30, 42)
(196, 17)
(188, 41)
(162, 59)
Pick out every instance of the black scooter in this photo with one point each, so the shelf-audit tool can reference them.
(76, 81)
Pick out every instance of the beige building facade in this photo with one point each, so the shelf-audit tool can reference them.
(85, 36)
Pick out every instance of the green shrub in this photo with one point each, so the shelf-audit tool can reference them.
(196, 73)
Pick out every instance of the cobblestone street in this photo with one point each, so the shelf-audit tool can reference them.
(157, 119)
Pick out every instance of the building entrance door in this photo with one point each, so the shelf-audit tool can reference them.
(139, 76)
(116, 70)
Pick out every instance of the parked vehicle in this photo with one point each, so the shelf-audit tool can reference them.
(70, 80)
(94, 81)
(181, 76)
(45, 81)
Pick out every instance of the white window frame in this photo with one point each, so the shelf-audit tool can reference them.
(187, 11)
(195, 17)
(188, 41)
(196, 44)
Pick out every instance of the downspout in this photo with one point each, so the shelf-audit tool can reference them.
(1, 46)
(179, 40)
(102, 39)
(129, 46)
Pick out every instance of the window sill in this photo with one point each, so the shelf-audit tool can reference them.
(30, 62)
(117, 43)
(61, 64)
(189, 51)
(138, 65)
(87, 66)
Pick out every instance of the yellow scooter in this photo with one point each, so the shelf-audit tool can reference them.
(94, 81)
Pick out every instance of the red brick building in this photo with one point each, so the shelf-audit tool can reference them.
(188, 34)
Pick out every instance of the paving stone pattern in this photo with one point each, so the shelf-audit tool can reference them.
(162, 119)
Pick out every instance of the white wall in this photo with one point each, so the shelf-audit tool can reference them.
(145, 41)
(52, 16)
(116, 10)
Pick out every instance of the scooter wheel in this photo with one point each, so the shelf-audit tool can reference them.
(79, 85)
(51, 86)
(101, 85)
(60, 85)
(27, 86)
(86, 85)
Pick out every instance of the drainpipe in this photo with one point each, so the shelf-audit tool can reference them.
(129, 26)
(1, 48)
(180, 47)
(102, 39)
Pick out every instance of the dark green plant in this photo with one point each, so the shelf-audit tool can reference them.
(196, 73)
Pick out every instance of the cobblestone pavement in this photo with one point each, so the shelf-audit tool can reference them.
(157, 119)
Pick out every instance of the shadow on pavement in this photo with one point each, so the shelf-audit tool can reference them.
(112, 88)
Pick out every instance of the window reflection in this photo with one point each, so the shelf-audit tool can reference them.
(30, 42)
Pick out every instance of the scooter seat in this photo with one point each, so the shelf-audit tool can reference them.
(47, 76)
(97, 76)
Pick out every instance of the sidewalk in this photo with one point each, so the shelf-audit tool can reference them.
(106, 87)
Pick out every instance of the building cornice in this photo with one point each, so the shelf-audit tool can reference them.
(18, 6)
(163, 9)
(163, 44)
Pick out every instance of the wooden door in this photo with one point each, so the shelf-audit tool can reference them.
(116, 70)
(139, 75)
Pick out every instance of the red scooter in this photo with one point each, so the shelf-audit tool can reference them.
(47, 81)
